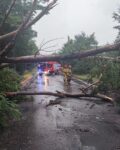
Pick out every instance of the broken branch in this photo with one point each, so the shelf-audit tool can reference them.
(4, 66)
(84, 90)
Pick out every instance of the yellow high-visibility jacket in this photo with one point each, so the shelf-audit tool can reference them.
(66, 71)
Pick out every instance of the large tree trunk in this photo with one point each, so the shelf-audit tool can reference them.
(83, 54)
(57, 94)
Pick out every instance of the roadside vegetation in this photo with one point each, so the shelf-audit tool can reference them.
(25, 45)
(16, 20)
(88, 69)
(9, 81)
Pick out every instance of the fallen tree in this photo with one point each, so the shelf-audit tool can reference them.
(61, 95)
(83, 93)
(80, 55)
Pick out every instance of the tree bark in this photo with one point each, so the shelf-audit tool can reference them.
(57, 94)
(61, 95)
(104, 97)
(80, 55)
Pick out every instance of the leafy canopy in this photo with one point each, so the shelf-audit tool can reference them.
(80, 42)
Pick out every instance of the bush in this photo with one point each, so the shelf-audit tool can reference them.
(9, 82)
(8, 111)
(110, 75)
(81, 66)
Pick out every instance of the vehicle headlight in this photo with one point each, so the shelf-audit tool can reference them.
(45, 72)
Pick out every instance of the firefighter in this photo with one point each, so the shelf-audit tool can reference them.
(67, 73)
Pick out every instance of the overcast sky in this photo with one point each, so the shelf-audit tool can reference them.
(71, 17)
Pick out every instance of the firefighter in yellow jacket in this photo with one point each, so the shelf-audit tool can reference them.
(67, 73)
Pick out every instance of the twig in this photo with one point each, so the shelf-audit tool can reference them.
(43, 44)
(80, 55)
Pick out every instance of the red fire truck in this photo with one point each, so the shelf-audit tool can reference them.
(51, 67)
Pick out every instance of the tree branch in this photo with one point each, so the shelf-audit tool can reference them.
(45, 43)
(38, 17)
(41, 14)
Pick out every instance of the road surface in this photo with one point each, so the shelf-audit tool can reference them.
(74, 124)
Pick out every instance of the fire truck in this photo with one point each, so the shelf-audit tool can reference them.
(50, 67)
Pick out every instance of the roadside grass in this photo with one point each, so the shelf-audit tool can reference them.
(85, 77)
(27, 75)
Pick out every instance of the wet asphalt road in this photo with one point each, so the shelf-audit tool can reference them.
(74, 124)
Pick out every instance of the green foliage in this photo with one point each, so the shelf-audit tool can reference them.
(9, 80)
(81, 42)
(94, 67)
(25, 45)
(83, 66)
(110, 75)
(8, 111)
(84, 42)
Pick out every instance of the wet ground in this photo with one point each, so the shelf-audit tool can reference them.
(74, 124)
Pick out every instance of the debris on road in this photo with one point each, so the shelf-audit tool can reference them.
(53, 102)
(62, 95)
(92, 106)
(60, 109)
